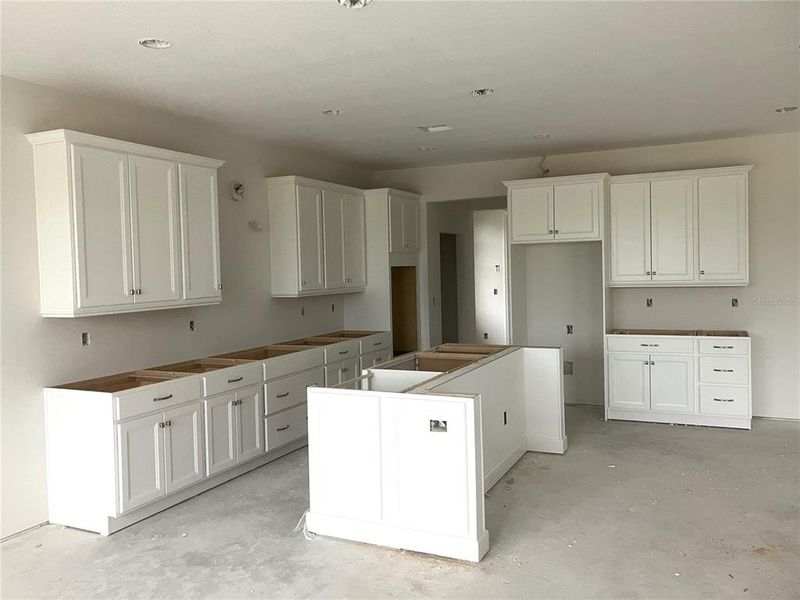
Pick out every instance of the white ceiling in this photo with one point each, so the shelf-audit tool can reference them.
(593, 75)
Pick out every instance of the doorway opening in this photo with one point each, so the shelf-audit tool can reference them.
(404, 310)
(448, 271)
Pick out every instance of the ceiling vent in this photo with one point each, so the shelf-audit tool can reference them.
(354, 3)
(435, 128)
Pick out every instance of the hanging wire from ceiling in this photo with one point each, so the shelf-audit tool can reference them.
(543, 171)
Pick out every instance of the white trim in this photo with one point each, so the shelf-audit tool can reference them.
(546, 181)
(732, 170)
(120, 309)
(679, 418)
(547, 445)
(315, 183)
(504, 466)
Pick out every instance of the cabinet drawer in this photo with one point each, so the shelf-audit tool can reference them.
(724, 400)
(157, 396)
(381, 341)
(341, 351)
(288, 391)
(231, 378)
(724, 369)
(653, 345)
(281, 366)
(286, 426)
(724, 346)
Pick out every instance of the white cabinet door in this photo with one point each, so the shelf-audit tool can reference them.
(184, 446)
(629, 381)
(201, 271)
(531, 214)
(141, 461)
(630, 232)
(333, 239)
(249, 423)
(355, 242)
(672, 383)
(577, 211)
(395, 224)
(102, 218)
(309, 221)
(410, 225)
(722, 228)
(220, 423)
(342, 371)
(156, 231)
(672, 229)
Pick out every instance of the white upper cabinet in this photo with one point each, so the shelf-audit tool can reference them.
(556, 209)
(201, 270)
(681, 228)
(722, 228)
(317, 237)
(403, 222)
(128, 245)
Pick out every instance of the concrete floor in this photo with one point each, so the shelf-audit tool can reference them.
(632, 510)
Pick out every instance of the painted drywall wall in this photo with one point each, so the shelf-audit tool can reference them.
(769, 308)
(456, 218)
(37, 352)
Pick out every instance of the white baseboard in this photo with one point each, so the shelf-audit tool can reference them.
(381, 534)
(501, 468)
(679, 418)
(548, 445)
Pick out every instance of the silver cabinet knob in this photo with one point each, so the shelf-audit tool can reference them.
(219, 286)
(549, 231)
(647, 273)
(702, 272)
(556, 231)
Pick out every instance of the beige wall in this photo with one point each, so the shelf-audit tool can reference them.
(37, 352)
(768, 308)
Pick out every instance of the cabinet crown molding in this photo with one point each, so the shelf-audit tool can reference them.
(561, 180)
(77, 137)
(300, 180)
(394, 192)
(737, 169)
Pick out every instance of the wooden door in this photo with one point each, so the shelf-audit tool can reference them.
(156, 232)
(672, 229)
(355, 242)
(404, 309)
(722, 228)
(531, 214)
(141, 461)
(629, 381)
(220, 433)
(672, 383)
(333, 239)
(577, 211)
(249, 423)
(184, 455)
(103, 229)
(630, 232)
(410, 225)
(309, 221)
(201, 270)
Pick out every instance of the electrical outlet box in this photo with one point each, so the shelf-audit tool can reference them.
(567, 367)
(649, 303)
(86, 339)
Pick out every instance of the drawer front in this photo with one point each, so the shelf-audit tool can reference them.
(373, 343)
(724, 346)
(724, 369)
(157, 396)
(288, 391)
(653, 345)
(231, 378)
(286, 426)
(723, 400)
(281, 366)
(341, 351)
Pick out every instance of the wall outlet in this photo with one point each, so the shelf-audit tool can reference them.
(86, 339)
(649, 303)
(302, 311)
(486, 336)
(191, 325)
(735, 302)
(569, 329)
(568, 367)
(333, 308)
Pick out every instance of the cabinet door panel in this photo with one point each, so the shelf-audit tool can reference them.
(342, 371)
(395, 224)
(672, 228)
(333, 237)
(577, 211)
(156, 232)
(531, 214)
(141, 456)
(201, 271)
(672, 383)
(184, 446)
(102, 218)
(629, 381)
(630, 232)
(309, 219)
(220, 433)
(410, 225)
(355, 241)
(250, 423)
(722, 228)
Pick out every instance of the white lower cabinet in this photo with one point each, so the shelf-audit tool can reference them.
(710, 386)
(286, 426)
(234, 428)
(184, 446)
(141, 461)
(339, 372)
(375, 358)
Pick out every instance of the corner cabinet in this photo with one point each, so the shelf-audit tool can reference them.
(556, 209)
(317, 237)
(123, 227)
(682, 228)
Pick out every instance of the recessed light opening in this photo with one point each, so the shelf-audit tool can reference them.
(541, 136)
(425, 148)
(483, 92)
(354, 3)
(332, 112)
(434, 128)
(154, 43)
(785, 109)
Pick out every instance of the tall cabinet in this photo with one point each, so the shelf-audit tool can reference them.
(123, 227)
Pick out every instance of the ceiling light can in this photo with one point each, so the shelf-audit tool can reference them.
(155, 43)
(482, 92)
(785, 109)
(541, 136)
(332, 112)
(354, 3)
